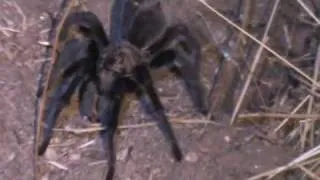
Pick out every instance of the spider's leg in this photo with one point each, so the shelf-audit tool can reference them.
(147, 25)
(148, 97)
(190, 74)
(87, 94)
(109, 109)
(180, 51)
(72, 64)
(117, 20)
(61, 98)
(87, 23)
(122, 16)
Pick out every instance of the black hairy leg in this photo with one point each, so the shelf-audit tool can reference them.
(61, 98)
(121, 14)
(75, 57)
(109, 108)
(179, 51)
(85, 23)
(87, 99)
(149, 99)
(147, 24)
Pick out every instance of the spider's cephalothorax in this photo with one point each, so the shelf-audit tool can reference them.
(102, 70)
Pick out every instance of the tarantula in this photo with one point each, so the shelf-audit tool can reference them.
(103, 69)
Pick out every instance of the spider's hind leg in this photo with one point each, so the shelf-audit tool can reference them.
(109, 107)
(180, 51)
(149, 99)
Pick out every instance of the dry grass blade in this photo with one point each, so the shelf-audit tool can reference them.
(97, 163)
(309, 127)
(291, 114)
(87, 144)
(97, 127)
(311, 14)
(9, 29)
(309, 173)
(285, 61)
(255, 63)
(278, 115)
(58, 165)
(24, 19)
(302, 159)
(80, 131)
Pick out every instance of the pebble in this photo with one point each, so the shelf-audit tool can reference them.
(227, 139)
(192, 157)
(75, 157)
(51, 154)
(122, 155)
(45, 177)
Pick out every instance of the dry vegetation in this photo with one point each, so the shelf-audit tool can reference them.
(288, 40)
(264, 67)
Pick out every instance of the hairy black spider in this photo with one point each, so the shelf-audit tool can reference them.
(102, 70)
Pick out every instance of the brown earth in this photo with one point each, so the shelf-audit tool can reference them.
(211, 152)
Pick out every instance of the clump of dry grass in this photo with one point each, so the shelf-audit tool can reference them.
(303, 127)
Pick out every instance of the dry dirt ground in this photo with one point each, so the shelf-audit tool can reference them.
(211, 151)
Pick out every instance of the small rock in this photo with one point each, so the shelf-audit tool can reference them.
(192, 157)
(75, 157)
(51, 154)
(42, 17)
(56, 140)
(11, 157)
(45, 177)
(124, 154)
(227, 139)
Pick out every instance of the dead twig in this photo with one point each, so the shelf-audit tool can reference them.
(96, 127)
(309, 11)
(255, 63)
(278, 115)
(292, 113)
(309, 127)
(58, 165)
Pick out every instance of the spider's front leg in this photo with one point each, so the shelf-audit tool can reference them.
(85, 23)
(149, 99)
(73, 57)
(61, 98)
(180, 51)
